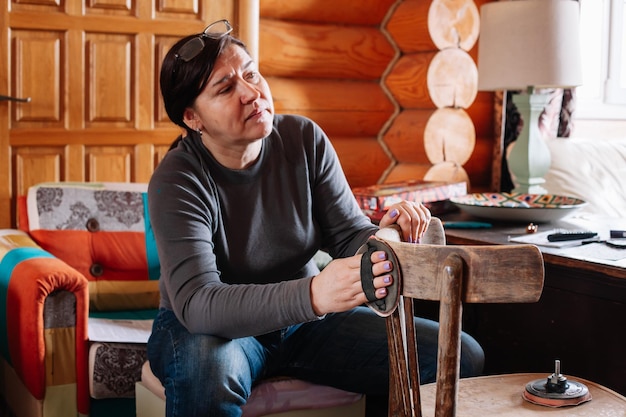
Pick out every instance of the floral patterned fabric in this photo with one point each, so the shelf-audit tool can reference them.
(114, 368)
(67, 206)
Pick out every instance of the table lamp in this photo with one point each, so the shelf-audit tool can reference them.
(528, 45)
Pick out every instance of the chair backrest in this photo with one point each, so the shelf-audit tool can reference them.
(103, 231)
(452, 275)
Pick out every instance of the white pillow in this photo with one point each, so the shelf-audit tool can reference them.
(590, 169)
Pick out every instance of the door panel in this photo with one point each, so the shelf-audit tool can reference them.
(110, 94)
(37, 75)
(38, 164)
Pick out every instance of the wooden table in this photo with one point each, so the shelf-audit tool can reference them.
(501, 395)
(501, 231)
(580, 318)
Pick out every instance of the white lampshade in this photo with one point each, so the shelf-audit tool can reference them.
(529, 43)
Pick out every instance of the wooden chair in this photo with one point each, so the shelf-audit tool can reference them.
(452, 275)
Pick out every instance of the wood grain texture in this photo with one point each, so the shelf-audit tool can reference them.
(437, 42)
(364, 167)
(452, 78)
(454, 23)
(448, 171)
(350, 45)
(408, 26)
(366, 12)
(304, 50)
(452, 275)
(341, 107)
(482, 114)
(501, 395)
(407, 82)
(330, 95)
(91, 70)
(407, 171)
(45, 163)
(479, 166)
(405, 136)
(449, 136)
(487, 270)
(39, 77)
(449, 342)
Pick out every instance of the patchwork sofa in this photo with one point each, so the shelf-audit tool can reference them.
(85, 251)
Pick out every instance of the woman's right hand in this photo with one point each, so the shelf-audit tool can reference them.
(338, 287)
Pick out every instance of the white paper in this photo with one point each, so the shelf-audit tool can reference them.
(541, 239)
(598, 251)
(119, 330)
(579, 248)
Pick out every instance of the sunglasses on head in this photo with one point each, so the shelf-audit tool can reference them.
(194, 46)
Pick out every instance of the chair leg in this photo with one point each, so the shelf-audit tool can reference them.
(404, 396)
(413, 360)
(398, 388)
(449, 350)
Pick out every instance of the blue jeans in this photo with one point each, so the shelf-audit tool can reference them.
(206, 375)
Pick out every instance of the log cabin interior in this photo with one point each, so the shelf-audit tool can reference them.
(90, 70)
(392, 82)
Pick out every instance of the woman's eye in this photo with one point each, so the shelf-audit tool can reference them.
(225, 90)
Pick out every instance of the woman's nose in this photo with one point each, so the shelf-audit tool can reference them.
(249, 93)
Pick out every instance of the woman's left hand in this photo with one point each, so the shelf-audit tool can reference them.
(413, 219)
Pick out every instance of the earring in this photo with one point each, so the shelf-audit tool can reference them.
(199, 131)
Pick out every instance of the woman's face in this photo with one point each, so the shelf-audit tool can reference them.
(236, 107)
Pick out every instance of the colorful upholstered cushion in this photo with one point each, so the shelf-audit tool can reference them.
(103, 231)
(277, 395)
(285, 394)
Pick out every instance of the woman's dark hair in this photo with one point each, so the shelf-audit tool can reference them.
(182, 81)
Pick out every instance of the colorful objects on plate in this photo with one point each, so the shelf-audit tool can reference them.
(517, 207)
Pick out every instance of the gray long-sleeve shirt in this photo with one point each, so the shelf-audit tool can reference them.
(236, 246)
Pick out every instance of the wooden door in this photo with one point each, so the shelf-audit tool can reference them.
(90, 69)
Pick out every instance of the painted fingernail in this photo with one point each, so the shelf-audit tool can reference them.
(382, 291)
(382, 255)
(387, 266)
(394, 213)
(387, 279)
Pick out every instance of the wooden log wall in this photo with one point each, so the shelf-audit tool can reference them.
(326, 63)
(360, 68)
(449, 136)
(395, 103)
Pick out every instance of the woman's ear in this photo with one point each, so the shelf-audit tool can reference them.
(190, 118)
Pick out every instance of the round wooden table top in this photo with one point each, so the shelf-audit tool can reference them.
(501, 395)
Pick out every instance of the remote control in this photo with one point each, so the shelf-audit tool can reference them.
(565, 235)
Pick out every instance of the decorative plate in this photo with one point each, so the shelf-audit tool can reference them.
(535, 208)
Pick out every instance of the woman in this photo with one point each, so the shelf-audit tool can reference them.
(239, 207)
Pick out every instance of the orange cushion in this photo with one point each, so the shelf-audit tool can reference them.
(103, 231)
